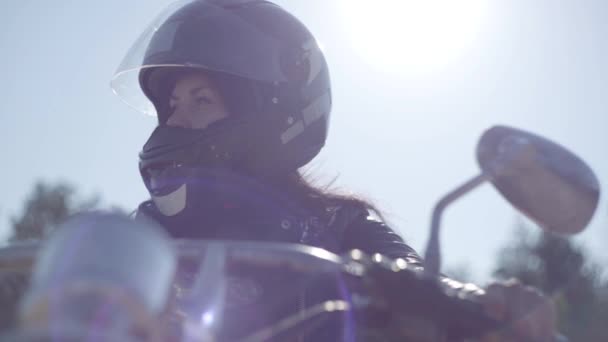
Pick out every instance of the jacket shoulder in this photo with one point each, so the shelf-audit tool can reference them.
(359, 229)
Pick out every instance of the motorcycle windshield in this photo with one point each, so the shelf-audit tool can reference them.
(205, 34)
(231, 291)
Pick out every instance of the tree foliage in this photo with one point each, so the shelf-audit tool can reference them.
(47, 206)
(564, 271)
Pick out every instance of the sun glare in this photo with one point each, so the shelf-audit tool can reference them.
(412, 36)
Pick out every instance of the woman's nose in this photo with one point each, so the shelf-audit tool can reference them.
(179, 119)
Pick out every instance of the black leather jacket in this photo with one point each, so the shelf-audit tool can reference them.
(344, 226)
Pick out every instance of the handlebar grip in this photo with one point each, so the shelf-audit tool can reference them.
(465, 316)
(398, 286)
(410, 291)
(456, 307)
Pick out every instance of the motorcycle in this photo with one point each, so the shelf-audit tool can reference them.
(106, 277)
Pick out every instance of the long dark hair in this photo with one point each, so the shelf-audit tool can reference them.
(321, 197)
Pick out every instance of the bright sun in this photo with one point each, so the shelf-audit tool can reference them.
(412, 36)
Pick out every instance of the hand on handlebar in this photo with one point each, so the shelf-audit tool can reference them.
(509, 310)
(528, 314)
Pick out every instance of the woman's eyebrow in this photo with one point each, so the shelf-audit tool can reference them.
(197, 89)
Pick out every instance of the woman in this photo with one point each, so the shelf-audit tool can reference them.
(242, 95)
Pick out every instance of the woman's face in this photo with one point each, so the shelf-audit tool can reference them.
(195, 102)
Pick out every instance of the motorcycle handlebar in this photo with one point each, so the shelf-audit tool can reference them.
(394, 285)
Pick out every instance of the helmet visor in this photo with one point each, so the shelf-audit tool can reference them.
(206, 34)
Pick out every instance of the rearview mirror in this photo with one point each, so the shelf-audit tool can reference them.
(543, 180)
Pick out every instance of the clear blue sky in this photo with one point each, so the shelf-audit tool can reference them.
(398, 139)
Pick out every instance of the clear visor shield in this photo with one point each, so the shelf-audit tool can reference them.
(206, 34)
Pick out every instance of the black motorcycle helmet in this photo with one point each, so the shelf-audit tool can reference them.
(268, 67)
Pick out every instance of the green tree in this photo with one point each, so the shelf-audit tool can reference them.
(47, 206)
(564, 271)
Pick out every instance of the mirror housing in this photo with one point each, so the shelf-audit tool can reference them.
(543, 180)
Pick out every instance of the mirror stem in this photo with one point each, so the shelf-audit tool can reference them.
(432, 257)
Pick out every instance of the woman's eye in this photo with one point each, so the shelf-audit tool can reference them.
(203, 100)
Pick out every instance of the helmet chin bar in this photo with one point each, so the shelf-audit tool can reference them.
(172, 203)
(216, 145)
